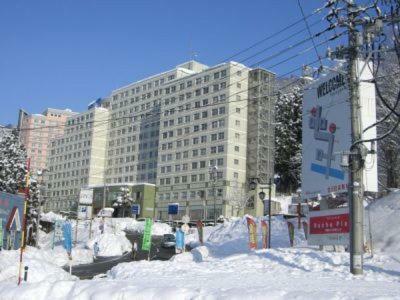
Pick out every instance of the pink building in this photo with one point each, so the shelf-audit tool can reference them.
(36, 130)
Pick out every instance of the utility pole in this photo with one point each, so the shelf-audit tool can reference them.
(355, 188)
(269, 212)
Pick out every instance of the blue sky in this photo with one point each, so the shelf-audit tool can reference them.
(64, 54)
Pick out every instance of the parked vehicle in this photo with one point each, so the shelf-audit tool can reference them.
(168, 241)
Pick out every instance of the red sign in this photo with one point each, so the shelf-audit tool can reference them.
(330, 224)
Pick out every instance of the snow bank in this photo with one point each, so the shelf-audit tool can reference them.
(41, 266)
(232, 237)
(385, 223)
(51, 217)
(110, 244)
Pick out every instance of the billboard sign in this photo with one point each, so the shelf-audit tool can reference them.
(86, 197)
(327, 133)
(329, 227)
(173, 208)
(11, 216)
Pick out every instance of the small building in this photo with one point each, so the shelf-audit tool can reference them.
(142, 193)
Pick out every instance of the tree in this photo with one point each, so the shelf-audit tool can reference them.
(123, 201)
(32, 211)
(238, 198)
(12, 163)
(288, 135)
(388, 82)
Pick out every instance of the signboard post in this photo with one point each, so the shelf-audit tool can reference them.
(329, 227)
(173, 209)
(58, 232)
(84, 210)
(146, 243)
(327, 134)
(135, 210)
(1, 233)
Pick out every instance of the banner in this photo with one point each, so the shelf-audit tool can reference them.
(146, 243)
(264, 231)
(291, 233)
(67, 234)
(200, 226)
(252, 227)
(57, 232)
(180, 239)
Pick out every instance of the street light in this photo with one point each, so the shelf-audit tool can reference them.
(252, 186)
(213, 176)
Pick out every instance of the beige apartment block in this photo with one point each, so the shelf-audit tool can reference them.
(76, 159)
(36, 130)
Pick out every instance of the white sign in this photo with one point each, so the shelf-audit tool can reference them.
(106, 212)
(84, 212)
(327, 133)
(86, 197)
(329, 227)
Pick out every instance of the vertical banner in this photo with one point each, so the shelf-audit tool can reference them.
(264, 231)
(291, 233)
(146, 244)
(200, 226)
(305, 227)
(252, 227)
(180, 240)
(67, 235)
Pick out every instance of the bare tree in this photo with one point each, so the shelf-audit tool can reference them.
(238, 198)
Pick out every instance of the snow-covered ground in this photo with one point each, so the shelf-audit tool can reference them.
(224, 268)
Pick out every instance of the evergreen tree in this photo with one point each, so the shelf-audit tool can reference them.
(12, 163)
(288, 135)
(32, 211)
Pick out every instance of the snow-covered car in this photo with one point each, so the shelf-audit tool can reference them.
(168, 241)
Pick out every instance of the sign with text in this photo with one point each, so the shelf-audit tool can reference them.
(135, 209)
(173, 208)
(329, 227)
(86, 197)
(326, 133)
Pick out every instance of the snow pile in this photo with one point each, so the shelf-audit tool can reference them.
(51, 217)
(385, 223)
(138, 226)
(232, 237)
(110, 244)
(41, 266)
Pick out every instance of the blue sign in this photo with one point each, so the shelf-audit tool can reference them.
(180, 239)
(11, 216)
(67, 234)
(173, 209)
(135, 209)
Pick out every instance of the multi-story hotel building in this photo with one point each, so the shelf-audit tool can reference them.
(171, 128)
(36, 130)
(76, 159)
